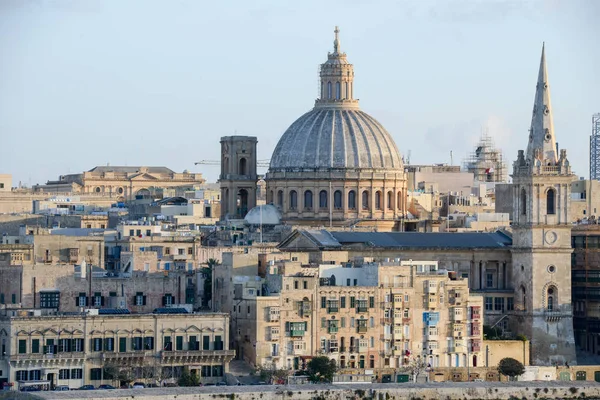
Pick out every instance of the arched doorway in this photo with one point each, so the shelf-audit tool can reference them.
(142, 194)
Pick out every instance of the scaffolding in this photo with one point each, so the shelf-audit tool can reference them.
(486, 162)
(595, 148)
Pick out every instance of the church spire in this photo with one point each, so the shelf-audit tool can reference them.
(542, 142)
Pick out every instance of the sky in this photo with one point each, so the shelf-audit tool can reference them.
(158, 82)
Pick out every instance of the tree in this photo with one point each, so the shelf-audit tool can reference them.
(415, 366)
(187, 379)
(321, 369)
(273, 375)
(510, 367)
(208, 276)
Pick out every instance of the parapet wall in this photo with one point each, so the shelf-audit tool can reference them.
(446, 391)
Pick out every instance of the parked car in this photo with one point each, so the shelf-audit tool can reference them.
(139, 385)
(61, 388)
(170, 384)
(106, 387)
(87, 387)
(209, 384)
(152, 385)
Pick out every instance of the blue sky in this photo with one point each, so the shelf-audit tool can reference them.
(86, 83)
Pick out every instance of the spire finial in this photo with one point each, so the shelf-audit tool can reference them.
(336, 42)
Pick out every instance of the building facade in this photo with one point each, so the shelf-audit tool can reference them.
(115, 349)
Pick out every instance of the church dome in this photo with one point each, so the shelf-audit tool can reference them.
(336, 134)
(265, 214)
(336, 137)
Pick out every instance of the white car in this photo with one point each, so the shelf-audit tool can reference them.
(139, 385)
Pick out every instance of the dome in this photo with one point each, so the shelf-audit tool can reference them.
(330, 137)
(270, 215)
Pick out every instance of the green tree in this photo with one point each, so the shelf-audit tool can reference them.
(510, 367)
(188, 379)
(321, 369)
(273, 375)
(208, 277)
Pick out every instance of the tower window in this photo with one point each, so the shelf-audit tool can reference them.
(280, 198)
(523, 202)
(337, 199)
(347, 91)
(308, 199)
(329, 90)
(293, 200)
(551, 202)
(338, 90)
(365, 200)
(390, 200)
(323, 199)
(352, 199)
(378, 200)
(242, 169)
(551, 298)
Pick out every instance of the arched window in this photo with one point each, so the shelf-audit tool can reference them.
(523, 202)
(242, 167)
(365, 200)
(271, 197)
(337, 199)
(390, 200)
(280, 198)
(551, 202)
(347, 92)
(338, 91)
(293, 200)
(323, 199)
(551, 297)
(322, 92)
(378, 200)
(329, 90)
(308, 199)
(352, 199)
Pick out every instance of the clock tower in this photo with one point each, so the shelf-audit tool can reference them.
(541, 250)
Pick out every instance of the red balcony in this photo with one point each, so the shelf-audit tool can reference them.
(475, 346)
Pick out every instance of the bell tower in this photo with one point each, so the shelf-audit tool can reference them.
(541, 250)
(238, 177)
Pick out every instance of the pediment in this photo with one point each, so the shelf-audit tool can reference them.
(193, 328)
(143, 177)
(50, 331)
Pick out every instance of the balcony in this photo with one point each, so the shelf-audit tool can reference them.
(362, 309)
(406, 320)
(195, 356)
(127, 355)
(361, 329)
(274, 336)
(475, 346)
(432, 335)
(40, 356)
(296, 333)
(331, 310)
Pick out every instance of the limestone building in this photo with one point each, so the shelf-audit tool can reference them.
(336, 165)
(111, 347)
(370, 317)
(122, 183)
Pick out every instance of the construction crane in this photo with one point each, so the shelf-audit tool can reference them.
(259, 163)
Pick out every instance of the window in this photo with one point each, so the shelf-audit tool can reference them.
(167, 344)
(179, 343)
(96, 374)
(77, 345)
(365, 200)
(337, 200)
(131, 232)
(295, 284)
(219, 341)
(96, 344)
(139, 299)
(293, 200)
(343, 322)
(305, 284)
(338, 91)
(122, 345)
(371, 302)
(329, 90)
(551, 202)
(510, 304)
(523, 202)
(13, 298)
(552, 292)
(109, 344)
(167, 251)
(77, 373)
(190, 251)
(322, 199)
(488, 304)
(1, 298)
(22, 346)
(308, 200)
(149, 343)
(352, 200)
(35, 345)
(98, 299)
(323, 301)
(499, 303)
(343, 302)
(489, 282)
(180, 252)
(81, 300)
(390, 200)
(352, 301)
(168, 299)
(49, 299)
(64, 374)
